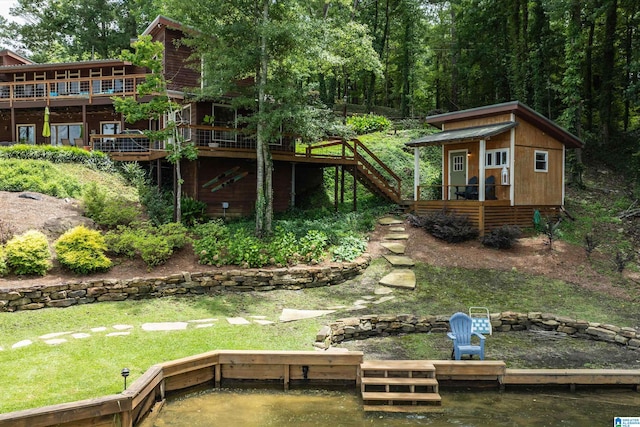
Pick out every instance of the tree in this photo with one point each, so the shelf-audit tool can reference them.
(276, 49)
(148, 54)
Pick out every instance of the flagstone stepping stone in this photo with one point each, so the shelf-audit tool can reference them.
(389, 221)
(289, 314)
(368, 297)
(396, 229)
(238, 321)
(336, 307)
(400, 278)
(80, 335)
(55, 341)
(400, 261)
(263, 322)
(118, 334)
(396, 236)
(204, 325)
(165, 326)
(122, 327)
(22, 343)
(384, 299)
(358, 307)
(360, 302)
(99, 329)
(53, 335)
(382, 290)
(395, 247)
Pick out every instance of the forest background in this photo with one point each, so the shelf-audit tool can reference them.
(576, 62)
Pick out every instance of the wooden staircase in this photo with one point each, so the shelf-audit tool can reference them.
(399, 386)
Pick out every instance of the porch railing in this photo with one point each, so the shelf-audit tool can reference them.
(436, 192)
(83, 87)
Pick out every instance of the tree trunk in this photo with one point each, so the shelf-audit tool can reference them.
(261, 145)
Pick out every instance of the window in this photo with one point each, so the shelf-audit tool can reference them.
(224, 116)
(63, 134)
(496, 158)
(186, 122)
(458, 163)
(541, 161)
(26, 134)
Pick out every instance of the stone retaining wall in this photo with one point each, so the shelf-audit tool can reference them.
(386, 325)
(98, 290)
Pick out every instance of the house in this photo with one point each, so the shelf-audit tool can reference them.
(78, 99)
(500, 163)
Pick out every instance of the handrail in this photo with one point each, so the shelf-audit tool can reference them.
(81, 87)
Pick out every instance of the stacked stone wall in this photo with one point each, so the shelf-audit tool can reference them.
(239, 280)
(386, 325)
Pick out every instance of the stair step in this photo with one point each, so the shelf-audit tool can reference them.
(404, 408)
(397, 365)
(399, 381)
(407, 397)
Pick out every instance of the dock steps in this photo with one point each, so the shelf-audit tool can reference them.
(399, 386)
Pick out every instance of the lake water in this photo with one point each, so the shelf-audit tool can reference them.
(249, 408)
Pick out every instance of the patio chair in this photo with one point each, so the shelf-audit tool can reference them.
(480, 320)
(65, 142)
(461, 334)
(490, 188)
(470, 191)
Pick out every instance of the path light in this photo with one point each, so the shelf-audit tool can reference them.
(125, 374)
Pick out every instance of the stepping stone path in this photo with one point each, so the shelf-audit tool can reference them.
(401, 276)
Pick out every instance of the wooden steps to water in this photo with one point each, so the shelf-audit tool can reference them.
(399, 386)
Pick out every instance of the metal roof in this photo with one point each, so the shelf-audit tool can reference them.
(461, 135)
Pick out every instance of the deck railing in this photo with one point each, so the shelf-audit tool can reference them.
(83, 87)
(435, 192)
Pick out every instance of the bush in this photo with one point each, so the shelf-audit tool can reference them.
(94, 159)
(82, 251)
(350, 248)
(158, 204)
(154, 245)
(28, 253)
(368, 123)
(4, 269)
(108, 212)
(312, 246)
(503, 237)
(449, 227)
(193, 211)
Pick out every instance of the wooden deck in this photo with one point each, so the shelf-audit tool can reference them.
(401, 385)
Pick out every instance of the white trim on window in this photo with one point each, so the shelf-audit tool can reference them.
(496, 158)
(541, 161)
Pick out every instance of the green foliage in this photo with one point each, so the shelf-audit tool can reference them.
(312, 246)
(503, 237)
(55, 154)
(368, 123)
(158, 204)
(4, 268)
(153, 244)
(193, 211)
(106, 211)
(82, 251)
(38, 176)
(28, 253)
(350, 248)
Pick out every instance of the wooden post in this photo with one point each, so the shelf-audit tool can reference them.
(335, 189)
(286, 376)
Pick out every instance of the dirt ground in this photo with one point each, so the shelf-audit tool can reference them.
(531, 256)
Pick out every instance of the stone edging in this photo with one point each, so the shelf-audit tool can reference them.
(385, 325)
(98, 290)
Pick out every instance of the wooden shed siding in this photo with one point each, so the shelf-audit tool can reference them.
(478, 122)
(531, 187)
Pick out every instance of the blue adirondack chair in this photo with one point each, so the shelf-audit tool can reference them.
(461, 333)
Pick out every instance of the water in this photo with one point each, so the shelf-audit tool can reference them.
(258, 408)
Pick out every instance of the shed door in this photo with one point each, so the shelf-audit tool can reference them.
(457, 172)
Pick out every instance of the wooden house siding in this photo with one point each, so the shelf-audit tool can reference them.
(477, 122)
(179, 70)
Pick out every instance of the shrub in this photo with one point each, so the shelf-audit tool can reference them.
(193, 211)
(503, 237)
(211, 241)
(108, 212)
(28, 253)
(154, 245)
(283, 248)
(368, 123)
(82, 251)
(158, 204)
(4, 269)
(449, 227)
(94, 200)
(350, 248)
(312, 246)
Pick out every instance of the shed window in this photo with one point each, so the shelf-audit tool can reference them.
(496, 158)
(541, 161)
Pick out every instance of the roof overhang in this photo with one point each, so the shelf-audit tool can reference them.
(474, 133)
(520, 110)
(64, 65)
